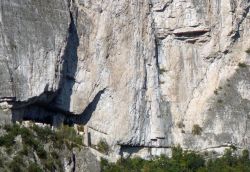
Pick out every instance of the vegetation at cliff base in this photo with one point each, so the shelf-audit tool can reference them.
(182, 161)
(103, 146)
(34, 148)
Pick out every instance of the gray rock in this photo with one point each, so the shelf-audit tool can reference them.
(130, 70)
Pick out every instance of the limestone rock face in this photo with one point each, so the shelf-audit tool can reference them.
(136, 72)
(31, 47)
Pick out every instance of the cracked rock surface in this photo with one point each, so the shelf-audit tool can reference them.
(138, 73)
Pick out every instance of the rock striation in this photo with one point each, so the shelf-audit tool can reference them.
(139, 73)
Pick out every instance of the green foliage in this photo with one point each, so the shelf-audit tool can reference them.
(180, 124)
(41, 152)
(177, 153)
(25, 150)
(196, 130)
(245, 155)
(66, 135)
(7, 140)
(49, 164)
(54, 155)
(242, 65)
(33, 140)
(193, 161)
(17, 164)
(80, 128)
(248, 51)
(161, 82)
(162, 70)
(181, 161)
(103, 146)
(33, 167)
(43, 133)
(1, 160)
(220, 101)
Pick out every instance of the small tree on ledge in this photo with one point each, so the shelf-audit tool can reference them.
(196, 130)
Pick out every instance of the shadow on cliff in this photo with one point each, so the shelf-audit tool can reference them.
(45, 111)
(70, 60)
(87, 113)
(51, 115)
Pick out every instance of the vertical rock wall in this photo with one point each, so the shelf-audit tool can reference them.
(137, 73)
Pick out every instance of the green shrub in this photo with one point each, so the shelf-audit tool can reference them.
(161, 82)
(193, 161)
(220, 101)
(33, 167)
(41, 152)
(7, 140)
(245, 155)
(43, 133)
(180, 124)
(1, 161)
(17, 164)
(242, 65)
(54, 155)
(80, 128)
(34, 139)
(49, 164)
(228, 157)
(25, 150)
(233, 147)
(196, 130)
(103, 146)
(177, 153)
(162, 70)
(14, 130)
(248, 51)
(181, 161)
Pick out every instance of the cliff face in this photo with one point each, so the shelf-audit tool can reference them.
(136, 72)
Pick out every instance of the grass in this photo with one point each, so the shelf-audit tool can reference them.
(103, 146)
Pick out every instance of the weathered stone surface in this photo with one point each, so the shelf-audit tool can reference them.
(138, 73)
(33, 37)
